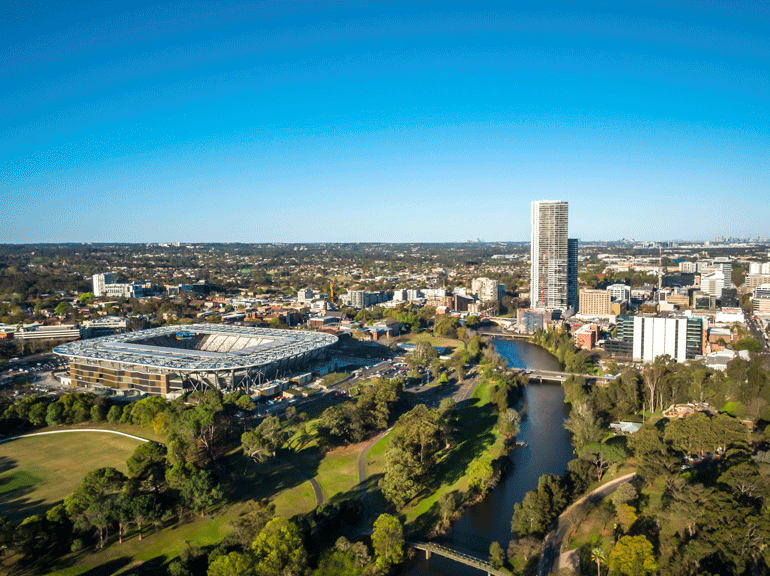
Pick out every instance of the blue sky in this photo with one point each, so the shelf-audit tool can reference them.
(393, 121)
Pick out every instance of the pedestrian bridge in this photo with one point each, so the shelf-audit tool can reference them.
(429, 548)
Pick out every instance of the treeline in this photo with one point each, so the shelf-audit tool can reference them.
(742, 390)
(423, 436)
(561, 345)
(350, 423)
(699, 506)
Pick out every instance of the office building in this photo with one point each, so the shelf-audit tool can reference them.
(680, 338)
(553, 284)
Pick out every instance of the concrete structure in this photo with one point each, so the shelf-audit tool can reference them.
(487, 289)
(304, 295)
(586, 336)
(131, 290)
(620, 292)
(680, 338)
(43, 332)
(573, 301)
(550, 255)
(528, 320)
(173, 359)
(363, 298)
(713, 282)
(100, 281)
(595, 303)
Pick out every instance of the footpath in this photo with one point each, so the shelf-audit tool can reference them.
(551, 552)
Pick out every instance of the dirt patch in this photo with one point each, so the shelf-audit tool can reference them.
(350, 448)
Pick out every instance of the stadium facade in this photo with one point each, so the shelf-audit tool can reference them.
(173, 359)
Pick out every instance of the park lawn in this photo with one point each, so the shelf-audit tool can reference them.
(452, 343)
(162, 546)
(338, 473)
(40, 471)
(375, 458)
(135, 430)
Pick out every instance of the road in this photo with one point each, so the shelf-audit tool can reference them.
(553, 541)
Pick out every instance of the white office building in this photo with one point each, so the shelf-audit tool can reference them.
(680, 338)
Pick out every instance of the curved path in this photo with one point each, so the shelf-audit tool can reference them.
(552, 544)
(76, 430)
(319, 496)
(362, 475)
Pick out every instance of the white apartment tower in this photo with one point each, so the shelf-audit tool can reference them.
(552, 266)
(100, 280)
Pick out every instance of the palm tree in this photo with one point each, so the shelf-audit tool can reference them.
(598, 555)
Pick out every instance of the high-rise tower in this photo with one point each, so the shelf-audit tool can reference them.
(554, 258)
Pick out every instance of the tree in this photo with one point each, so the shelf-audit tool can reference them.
(447, 504)
(598, 555)
(279, 550)
(632, 556)
(534, 515)
(653, 374)
(92, 503)
(388, 541)
(196, 486)
(626, 516)
(54, 414)
(624, 494)
(584, 426)
(424, 352)
(113, 415)
(232, 563)
(601, 455)
(263, 442)
(249, 524)
(496, 557)
(148, 464)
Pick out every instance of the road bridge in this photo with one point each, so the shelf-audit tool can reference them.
(431, 548)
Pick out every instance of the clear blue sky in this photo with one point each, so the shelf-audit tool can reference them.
(393, 121)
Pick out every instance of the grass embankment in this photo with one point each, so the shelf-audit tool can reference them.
(40, 471)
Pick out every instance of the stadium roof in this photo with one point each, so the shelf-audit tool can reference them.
(267, 346)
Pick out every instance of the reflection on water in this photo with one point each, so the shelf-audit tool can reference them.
(548, 452)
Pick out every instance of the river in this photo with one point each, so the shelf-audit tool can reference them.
(548, 451)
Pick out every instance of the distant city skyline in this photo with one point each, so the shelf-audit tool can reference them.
(384, 121)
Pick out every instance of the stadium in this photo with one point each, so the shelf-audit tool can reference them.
(173, 359)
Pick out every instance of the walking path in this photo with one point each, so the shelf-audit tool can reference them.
(552, 544)
(319, 497)
(77, 430)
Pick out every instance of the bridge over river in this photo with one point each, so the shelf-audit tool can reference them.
(431, 548)
(553, 376)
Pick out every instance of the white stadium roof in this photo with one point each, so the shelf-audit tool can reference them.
(235, 347)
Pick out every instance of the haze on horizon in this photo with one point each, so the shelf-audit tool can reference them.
(382, 122)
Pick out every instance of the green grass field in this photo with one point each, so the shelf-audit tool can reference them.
(40, 471)
(437, 341)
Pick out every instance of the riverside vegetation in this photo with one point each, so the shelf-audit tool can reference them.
(206, 476)
(698, 504)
